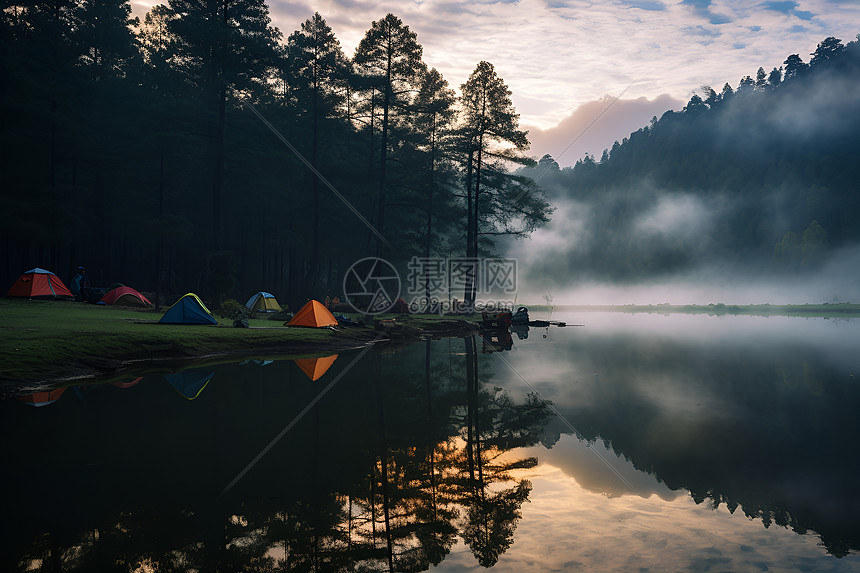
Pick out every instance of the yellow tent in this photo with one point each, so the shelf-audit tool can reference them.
(263, 302)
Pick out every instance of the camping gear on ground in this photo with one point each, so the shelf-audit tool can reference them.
(344, 320)
(313, 314)
(400, 307)
(39, 283)
(188, 310)
(263, 302)
(189, 383)
(125, 296)
(314, 368)
(92, 295)
(496, 320)
(521, 316)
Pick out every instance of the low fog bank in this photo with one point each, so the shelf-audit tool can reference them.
(655, 247)
(836, 280)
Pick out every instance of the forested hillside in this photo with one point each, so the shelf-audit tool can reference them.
(179, 152)
(763, 177)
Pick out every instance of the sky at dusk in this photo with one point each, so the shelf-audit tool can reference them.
(559, 55)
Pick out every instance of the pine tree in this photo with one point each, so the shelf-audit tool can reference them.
(391, 54)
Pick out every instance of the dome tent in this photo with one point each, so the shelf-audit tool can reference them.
(125, 296)
(263, 302)
(188, 310)
(313, 314)
(39, 283)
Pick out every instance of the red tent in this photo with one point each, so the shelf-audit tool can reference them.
(125, 296)
(39, 283)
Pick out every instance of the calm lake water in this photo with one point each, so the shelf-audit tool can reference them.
(634, 442)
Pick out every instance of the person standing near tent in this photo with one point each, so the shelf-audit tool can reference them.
(79, 282)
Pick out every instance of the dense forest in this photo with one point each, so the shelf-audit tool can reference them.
(762, 178)
(202, 149)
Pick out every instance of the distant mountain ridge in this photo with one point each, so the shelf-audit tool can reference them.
(764, 176)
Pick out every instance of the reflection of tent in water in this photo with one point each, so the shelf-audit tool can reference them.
(314, 313)
(128, 384)
(314, 368)
(263, 302)
(188, 310)
(40, 399)
(190, 383)
(39, 283)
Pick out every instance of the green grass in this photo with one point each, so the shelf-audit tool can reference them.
(44, 340)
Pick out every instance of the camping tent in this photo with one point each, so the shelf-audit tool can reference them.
(188, 310)
(39, 283)
(313, 314)
(314, 368)
(125, 296)
(263, 302)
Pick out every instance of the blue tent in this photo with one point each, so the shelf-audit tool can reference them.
(189, 383)
(188, 310)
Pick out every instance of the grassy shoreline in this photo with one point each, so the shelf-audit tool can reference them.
(49, 342)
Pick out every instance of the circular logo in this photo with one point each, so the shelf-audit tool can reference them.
(371, 286)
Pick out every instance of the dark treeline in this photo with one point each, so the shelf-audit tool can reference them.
(764, 174)
(140, 149)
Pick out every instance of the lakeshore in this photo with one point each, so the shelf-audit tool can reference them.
(45, 343)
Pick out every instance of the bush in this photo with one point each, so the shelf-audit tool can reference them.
(234, 310)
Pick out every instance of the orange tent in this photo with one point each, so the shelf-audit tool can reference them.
(39, 283)
(314, 368)
(314, 313)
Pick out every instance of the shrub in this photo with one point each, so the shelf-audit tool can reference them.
(234, 310)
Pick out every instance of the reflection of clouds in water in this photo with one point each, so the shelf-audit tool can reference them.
(587, 464)
(566, 527)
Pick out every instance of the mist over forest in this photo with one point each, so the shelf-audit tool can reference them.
(751, 190)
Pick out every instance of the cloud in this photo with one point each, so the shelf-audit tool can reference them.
(702, 8)
(583, 132)
(787, 7)
(557, 55)
(644, 4)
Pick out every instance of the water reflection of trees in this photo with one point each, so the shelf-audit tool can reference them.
(766, 430)
(410, 453)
